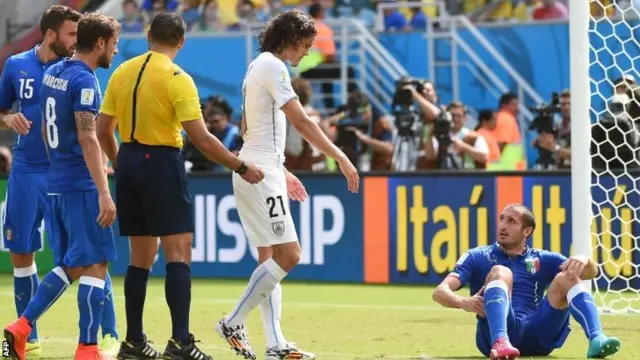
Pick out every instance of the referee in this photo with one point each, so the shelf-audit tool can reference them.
(151, 99)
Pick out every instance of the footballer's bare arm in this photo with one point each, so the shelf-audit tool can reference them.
(86, 127)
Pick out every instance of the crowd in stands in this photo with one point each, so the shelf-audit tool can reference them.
(230, 15)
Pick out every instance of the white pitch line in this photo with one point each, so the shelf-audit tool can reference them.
(295, 303)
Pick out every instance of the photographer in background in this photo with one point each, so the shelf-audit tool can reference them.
(363, 135)
(556, 143)
(463, 142)
(217, 116)
(299, 154)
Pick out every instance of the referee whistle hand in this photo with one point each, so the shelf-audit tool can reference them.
(107, 210)
(18, 123)
(253, 175)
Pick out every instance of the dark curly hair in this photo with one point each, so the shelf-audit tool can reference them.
(289, 29)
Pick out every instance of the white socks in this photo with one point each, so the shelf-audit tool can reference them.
(262, 283)
(271, 309)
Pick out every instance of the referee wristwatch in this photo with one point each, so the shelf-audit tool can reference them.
(242, 169)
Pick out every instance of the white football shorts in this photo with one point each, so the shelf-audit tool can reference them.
(264, 208)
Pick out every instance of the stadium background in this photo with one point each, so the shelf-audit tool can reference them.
(402, 229)
(374, 236)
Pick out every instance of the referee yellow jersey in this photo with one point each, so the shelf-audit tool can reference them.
(150, 97)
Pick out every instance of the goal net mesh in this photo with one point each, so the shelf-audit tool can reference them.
(614, 61)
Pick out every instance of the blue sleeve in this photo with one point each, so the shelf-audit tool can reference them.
(147, 5)
(85, 95)
(550, 263)
(385, 135)
(7, 91)
(464, 267)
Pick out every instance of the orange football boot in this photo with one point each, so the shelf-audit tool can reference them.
(17, 334)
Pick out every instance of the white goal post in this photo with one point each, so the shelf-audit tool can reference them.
(605, 190)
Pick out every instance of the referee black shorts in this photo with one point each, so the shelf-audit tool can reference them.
(151, 191)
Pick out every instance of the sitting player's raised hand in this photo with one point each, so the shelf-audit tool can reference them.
(18, 123)
(475, 304)
(574, 266)
(295, 189)
(351, 173)
(253, 175)
(107, 210)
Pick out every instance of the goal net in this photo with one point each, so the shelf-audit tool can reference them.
(613, 170)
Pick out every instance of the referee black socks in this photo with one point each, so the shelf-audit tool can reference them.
(135, 292)
(177, 290)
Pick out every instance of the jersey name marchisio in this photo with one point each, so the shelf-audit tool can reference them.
(266, 88)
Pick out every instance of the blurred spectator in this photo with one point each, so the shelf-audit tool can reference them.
(394, 20)
(365, 136)
(210, 20)
(151, 8)
(217, 117)
(488, 10)
(551, 9)
(131, 21)
(251, 14)
(624, 83)
(559, 143)
(190, 11)
(467, 150)
(507, 130)
(486, 125)
(418, 19)
(5, 159)
(153, 5)
(299, 154)
(321, 63)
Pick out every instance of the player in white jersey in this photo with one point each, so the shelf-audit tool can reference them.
(268, 101)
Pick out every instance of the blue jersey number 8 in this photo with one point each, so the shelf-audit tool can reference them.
(52, 129)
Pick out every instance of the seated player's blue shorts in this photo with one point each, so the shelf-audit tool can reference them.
(537, 334)
(26, 206)
(81, 240)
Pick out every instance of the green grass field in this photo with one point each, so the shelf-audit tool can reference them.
(337, 322)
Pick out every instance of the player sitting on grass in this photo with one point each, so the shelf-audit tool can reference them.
(509, 280)
(78, 190)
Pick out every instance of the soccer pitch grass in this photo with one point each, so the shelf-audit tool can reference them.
(335, 321)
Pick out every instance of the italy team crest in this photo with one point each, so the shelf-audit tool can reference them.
(278, 228)
(533, 264)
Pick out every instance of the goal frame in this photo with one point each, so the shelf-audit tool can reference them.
(581, 198)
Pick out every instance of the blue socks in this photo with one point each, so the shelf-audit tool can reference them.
(496, 307)
(177, 290)
(108, 323)
(90, 304)
(53, 286)
(584, 310)
(25, 285)
(135, 292)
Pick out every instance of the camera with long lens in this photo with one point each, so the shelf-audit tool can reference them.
(408, 124)
(353, 117)
(543, 124)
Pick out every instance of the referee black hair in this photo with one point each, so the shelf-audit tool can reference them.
(167, 29)
(287, 30)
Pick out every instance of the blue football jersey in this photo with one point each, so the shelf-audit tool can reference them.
(532, 271)
(20, 84)
(68, 87)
